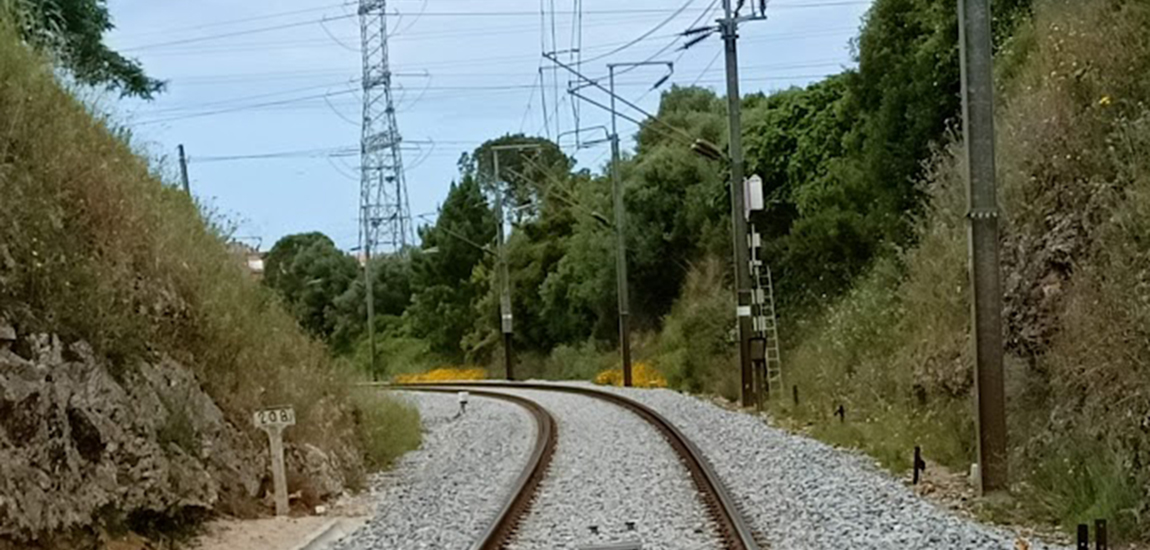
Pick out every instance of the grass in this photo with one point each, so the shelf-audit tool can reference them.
(387, 427)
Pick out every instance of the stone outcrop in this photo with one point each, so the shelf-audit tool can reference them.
(83, 448)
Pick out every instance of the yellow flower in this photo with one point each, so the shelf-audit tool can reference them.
(643, 375)
(443, 374)
(1105, 101)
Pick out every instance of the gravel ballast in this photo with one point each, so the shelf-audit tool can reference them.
(804, 494)
(611, 468)
(443, 495)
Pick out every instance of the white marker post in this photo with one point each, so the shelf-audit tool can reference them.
(273, 421)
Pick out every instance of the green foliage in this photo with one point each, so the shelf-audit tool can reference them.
(1074, 139)
(387, 426)
(73, 30)
(442, 309)
(695, 350)
(310, 273)
(524, 171)
(579, 361)
(391, 291)
(676, 202)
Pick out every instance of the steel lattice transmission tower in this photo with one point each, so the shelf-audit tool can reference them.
(385, 215)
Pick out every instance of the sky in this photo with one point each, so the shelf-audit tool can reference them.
(266, 96)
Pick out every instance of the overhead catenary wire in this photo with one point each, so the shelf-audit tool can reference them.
(643, 36)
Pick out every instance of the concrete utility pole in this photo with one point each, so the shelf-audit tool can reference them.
(620, 226)
(621, 289)
(370, 297)
(729, 27)
(505, 316)
(184, 170)
(617, 192)
(978, 128)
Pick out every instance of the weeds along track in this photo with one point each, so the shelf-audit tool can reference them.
(733, 529)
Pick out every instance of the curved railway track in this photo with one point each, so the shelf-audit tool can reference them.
(734, 530)
(496, 536)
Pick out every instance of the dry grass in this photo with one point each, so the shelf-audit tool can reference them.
(387, 427)
(95, 247)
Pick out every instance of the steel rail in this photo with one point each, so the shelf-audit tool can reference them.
(499, 532)
(734, 529)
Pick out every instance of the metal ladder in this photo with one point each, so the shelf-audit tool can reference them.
(764, 321)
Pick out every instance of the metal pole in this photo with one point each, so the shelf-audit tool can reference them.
(184, 170)
(978, 128)
(738, 222)
(620, 243)
(505, 315)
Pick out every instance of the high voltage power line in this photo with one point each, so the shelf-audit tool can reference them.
(173, 112)
(448, 85)
(296, 24)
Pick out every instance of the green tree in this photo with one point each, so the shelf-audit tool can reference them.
(677, 202)
(442, 310)
(527, 172)
(391, 290)
(74, 30)
(309, 273)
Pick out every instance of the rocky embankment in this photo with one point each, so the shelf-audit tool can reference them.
(85, 449)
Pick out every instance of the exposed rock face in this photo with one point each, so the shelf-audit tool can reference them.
(80, 448)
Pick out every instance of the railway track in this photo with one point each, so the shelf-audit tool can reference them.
(733, 529)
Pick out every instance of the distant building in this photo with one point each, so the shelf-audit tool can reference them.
(251, 257)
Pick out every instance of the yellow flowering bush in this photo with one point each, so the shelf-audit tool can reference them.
(643, 375)
(443, 374)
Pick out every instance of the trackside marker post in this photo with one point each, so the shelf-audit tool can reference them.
(273, 421)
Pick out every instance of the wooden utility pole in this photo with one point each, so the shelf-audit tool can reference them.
(976, 53)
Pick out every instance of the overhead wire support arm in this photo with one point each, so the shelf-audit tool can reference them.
(689, 142)
(594, 83)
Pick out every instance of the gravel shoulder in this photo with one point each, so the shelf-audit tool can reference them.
(445, 493)
(804, 494)
(611, 469)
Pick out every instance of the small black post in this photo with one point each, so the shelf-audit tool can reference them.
(919, 463)
(842, 413)
(1083, 537)
(1100, 538)
(795, 394)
